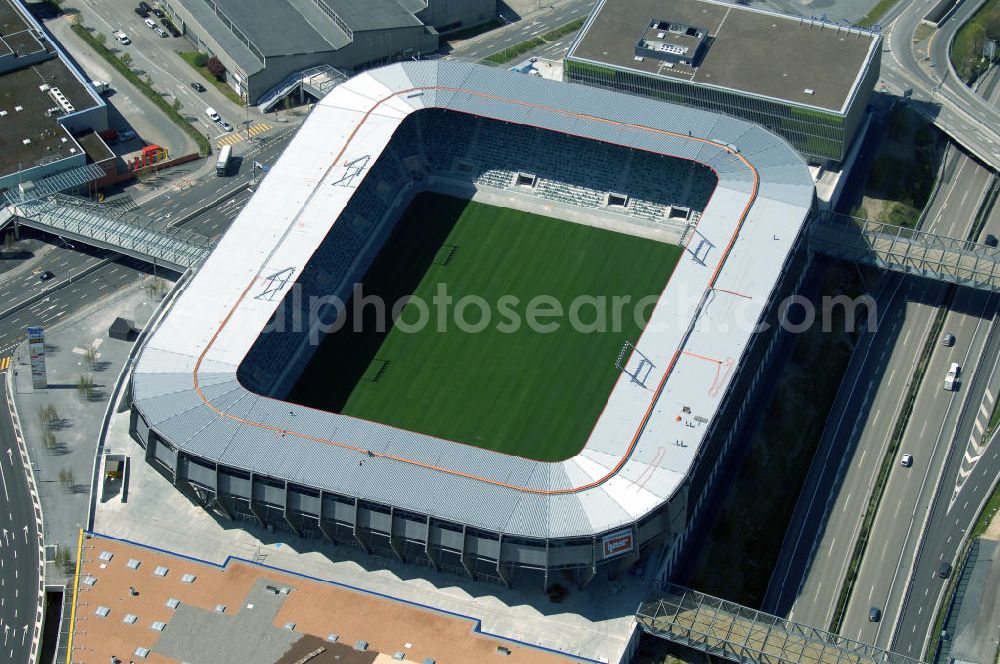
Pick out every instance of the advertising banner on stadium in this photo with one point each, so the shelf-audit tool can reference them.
(617, 543)
(36, 346)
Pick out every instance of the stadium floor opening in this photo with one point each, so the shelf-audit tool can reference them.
(489, 379)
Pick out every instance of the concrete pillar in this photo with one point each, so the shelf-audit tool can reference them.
(360, 535)
(397, 546)
(284, 513)
(433, 555)
(253, 510)
(322, 521)
(504, 575)
(463, 553)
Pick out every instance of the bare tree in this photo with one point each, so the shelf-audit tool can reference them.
(90, 355)
(85, 387)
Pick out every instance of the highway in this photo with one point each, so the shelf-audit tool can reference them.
(18, 547)
(967, 478)
(828, 517)
(967, 117)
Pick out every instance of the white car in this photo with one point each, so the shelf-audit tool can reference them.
(151, 24)
(906, 461)
(121, 37)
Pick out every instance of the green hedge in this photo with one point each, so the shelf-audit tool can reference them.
(204, 146)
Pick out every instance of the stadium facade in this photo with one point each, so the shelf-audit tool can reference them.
(805, 79)
(206, 391)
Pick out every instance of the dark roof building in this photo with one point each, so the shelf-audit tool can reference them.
(805, 79)
(266, 44)
(44, 103)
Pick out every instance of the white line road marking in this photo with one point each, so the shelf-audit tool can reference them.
(4, 478)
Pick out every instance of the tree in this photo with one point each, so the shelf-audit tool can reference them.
(48, 440)
(200, 60)
(215, 68)
(64, 561)
(85, 387)
(90, 355)
(101, 37)
(156, 287)
(67, 479)
(177, 104)
(126, 60)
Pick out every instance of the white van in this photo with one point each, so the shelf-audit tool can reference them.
(951, 380)
(212, 114)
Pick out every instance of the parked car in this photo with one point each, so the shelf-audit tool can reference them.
(160, 31)
(874, 614)
(126, 135)
(944, 570)
(197, 87)
(150, 23)
(991, 240)
(948, 339)
(226, 127)
(158, 13)
(172, 29)
(906, 461)
(121, 37)
(45, 276)
(141, 12)
(145, 7)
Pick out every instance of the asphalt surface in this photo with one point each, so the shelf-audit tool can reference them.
(829, 514)
(967, 478)
(937, 91)
(521, 31)
(18, 547)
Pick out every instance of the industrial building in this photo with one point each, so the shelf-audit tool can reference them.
(206, 391)
(49, 112)
(805, 79)
(265, 44)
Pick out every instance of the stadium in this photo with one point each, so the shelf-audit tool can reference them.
(500, 456)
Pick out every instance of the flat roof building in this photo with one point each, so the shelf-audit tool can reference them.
(44, 102)
(262, 43)
(805, 79)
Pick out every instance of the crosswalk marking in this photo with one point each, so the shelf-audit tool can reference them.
(4, 362)
(241, 134)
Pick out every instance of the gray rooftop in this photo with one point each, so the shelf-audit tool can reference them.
(750, 50)
(47, 140)
(373, 14)
(185, 382)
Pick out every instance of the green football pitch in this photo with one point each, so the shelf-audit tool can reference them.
(535, 393)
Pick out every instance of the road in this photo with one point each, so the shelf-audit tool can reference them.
(18, 547)
(967, 479)
(824, 528)
(967, 117)
(523, 30)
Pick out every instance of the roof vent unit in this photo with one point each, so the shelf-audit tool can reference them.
(639, 58)
(18, 109)
(44, 87)
(49, 112)
(3, 113)
(809, 91)
(26, 141)
(60, 99)
(660, 35)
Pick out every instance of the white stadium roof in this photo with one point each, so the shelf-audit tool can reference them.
(644, 443)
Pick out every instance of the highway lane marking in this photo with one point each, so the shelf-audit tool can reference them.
(7, 497)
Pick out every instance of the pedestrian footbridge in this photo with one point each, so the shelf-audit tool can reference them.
(119, 230)
(741, 634)
(906, 250)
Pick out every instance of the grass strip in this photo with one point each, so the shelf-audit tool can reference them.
(888, 461)
(511, 52)
(190, 56)
(86, 35)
